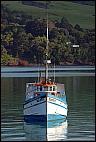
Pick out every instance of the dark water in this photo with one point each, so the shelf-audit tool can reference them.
(80, 124)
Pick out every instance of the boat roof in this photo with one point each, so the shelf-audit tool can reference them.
(43, 83)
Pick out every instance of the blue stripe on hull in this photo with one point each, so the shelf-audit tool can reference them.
(35, 118)
(55, 117)
(63, 99)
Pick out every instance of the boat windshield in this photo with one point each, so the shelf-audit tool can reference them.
(46, 88)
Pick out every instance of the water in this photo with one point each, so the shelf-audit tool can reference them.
(80, 123)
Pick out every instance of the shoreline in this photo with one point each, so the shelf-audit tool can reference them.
(38, 65)
(59, 71)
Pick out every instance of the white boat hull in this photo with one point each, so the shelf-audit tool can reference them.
(35, 109)
(45, 108)
(56, 108)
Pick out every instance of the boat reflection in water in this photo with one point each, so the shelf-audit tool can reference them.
(35, 131)
(50, 131)
(57, 130)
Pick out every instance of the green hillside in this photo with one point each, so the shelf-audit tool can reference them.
(74, 12)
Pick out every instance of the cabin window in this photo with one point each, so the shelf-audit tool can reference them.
(29, 85)
(54, 89)
(50, 89)
(53, 93)
(40, 88)
(45, 88)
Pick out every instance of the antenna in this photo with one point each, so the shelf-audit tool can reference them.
(47, 28)
(46, 63)
(38, 74)
(54, 69)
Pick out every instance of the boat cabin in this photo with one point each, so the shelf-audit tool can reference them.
(35, 89)
(39, 87)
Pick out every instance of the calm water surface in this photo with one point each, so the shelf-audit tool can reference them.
(80, 124)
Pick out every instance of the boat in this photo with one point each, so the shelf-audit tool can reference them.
(45, 99)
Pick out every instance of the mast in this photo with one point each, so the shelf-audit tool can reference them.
(46, 62)
(54, 69)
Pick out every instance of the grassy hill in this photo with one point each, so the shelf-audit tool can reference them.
(76, 13)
